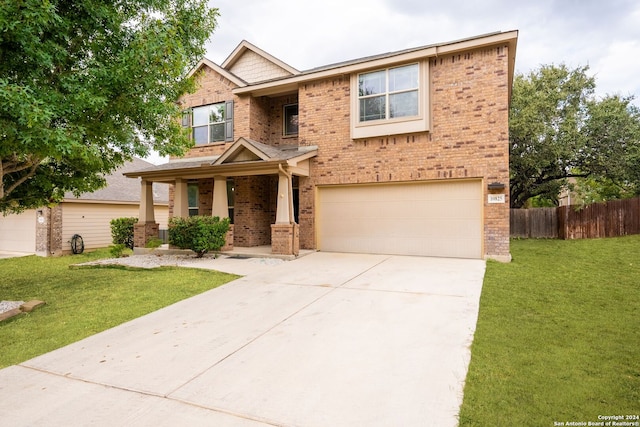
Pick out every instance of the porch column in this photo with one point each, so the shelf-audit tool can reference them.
(180, 199)
(284, 203)
(146, 228)
(285, 235)
(146, 202)
(220, 200)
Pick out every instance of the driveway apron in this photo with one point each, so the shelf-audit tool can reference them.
(326, 340)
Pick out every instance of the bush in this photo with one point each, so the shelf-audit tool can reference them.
(201, 234)
(122, 231)
(153, 243)
(119, 250)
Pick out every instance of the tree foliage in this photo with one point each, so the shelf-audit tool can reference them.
(559, 130)
(87, 84)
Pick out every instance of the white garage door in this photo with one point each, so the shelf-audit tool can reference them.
(429, 219)
(18, 232)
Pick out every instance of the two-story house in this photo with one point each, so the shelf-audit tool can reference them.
(400, 153)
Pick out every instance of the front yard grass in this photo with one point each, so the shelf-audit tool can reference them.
(82, 302)
(558, 335)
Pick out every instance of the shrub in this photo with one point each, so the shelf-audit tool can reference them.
(122, 231)
(201, 234)
(153, 243)
(119, 250)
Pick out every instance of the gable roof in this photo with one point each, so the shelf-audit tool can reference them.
(291, 83)
(121, 189)
(245, 47)
(245, 149)
(204, 62)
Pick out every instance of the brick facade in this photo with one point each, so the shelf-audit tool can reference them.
(143, 232)
(49, 231)
(255, 210)
(468, 104)
(469, 138)
(285, 239)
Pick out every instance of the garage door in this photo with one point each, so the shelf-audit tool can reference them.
(18, 232)
(429, 219)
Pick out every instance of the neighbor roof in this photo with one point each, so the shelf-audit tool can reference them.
(121, 189)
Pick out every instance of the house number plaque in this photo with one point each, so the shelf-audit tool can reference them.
(497, 198)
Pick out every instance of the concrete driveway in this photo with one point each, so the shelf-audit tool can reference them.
(326, 340)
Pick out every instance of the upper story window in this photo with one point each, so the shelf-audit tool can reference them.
(290, 120)
(389, 93)
(390, 101)
(210, 123)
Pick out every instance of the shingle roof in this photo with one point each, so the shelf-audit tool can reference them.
(122, 189)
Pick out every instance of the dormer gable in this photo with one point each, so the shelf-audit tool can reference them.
(204, 62)
(246, 150)
(253, 65)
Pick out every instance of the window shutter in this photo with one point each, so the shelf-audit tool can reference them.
(186, 118)
(228, 125)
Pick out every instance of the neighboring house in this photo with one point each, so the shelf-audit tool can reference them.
(400, 153)
(48, 231)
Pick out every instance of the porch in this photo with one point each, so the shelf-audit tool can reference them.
(250, 182)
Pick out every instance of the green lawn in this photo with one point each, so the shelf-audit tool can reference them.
(81, 302)
(558, 335)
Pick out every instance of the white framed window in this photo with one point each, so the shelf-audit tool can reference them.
(290, 115)
(389, 93)
(210, 123)
(389, 101)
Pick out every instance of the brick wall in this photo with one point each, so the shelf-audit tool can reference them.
(468, 138)
(213, 88)
(276, 118)
(255, 205)
(205, 196)
(49, 231)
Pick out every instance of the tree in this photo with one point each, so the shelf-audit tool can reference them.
(559, 130)
(86, 85)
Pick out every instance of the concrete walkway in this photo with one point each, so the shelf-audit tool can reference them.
(325, 340)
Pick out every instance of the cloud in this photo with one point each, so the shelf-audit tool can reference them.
(310, 34)
(616, 71)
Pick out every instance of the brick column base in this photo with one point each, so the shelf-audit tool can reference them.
(285, 239)
(143, 232)
(228, 245)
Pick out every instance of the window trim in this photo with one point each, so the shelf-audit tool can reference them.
(397, 125)
(227, 122)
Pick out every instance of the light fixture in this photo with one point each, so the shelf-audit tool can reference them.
(494, 186)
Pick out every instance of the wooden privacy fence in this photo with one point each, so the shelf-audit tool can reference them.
(537, 223)
(608, 219)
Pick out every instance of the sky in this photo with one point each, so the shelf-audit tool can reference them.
(603, 34)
